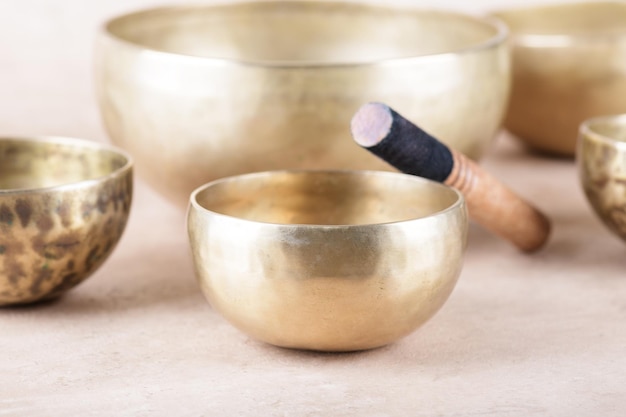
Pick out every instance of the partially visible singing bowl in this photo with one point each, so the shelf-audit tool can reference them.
(568, 66)
(601, 159)
(63, 206)
(203, 92)
(327, 260)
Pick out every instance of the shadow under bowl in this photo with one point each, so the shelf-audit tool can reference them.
(567, 67)
(64, 204)
(327, 260)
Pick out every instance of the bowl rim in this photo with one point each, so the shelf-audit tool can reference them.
(555, 40)
(75, 142)
(586, 130)
(459, 203)
(498, 38)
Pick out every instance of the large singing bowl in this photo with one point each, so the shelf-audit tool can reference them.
(199, 93)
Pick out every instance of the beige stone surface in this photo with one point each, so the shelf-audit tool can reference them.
(540, 335)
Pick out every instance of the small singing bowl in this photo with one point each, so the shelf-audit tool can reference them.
(198, 93)
(64, 204)
(568, 66)
(601, 157)
(327, 260)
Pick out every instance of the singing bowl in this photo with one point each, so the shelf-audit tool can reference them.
(64, 204)
(601, 157)
(568, 66)
(204, 92)
(327, 260)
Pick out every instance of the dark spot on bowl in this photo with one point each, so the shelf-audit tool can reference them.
(13, 268)
(118, 225)
(607, 155)
(15, 271)
(24, 211)
(6, 215)
(617, 216)
(57, 248)
(92, 258)
(600, 182)
(86, 209)
(67, 282)
(44, 274)
(70, 277)
(108, 245)
(64, 212)
(102, 203)
(45, 223)
(67, 241)
(12, 248)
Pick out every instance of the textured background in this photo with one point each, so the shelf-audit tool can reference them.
(520, 336)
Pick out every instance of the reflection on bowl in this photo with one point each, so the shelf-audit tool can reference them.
(601, 159)
(327, 260)
(568, 66)
(199, 93)
(64, 204)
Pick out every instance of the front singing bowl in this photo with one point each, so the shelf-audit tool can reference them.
(203, 92)
(64, 204)
(327, 260)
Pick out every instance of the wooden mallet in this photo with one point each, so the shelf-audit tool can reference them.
(391, 137)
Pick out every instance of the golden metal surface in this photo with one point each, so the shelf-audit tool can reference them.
(568, 66)
(324, 260)
(601, 157)
(64, 204)
(200, 93)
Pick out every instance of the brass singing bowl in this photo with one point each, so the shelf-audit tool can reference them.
(568, 66)
(601, 157)
(327, 260)
(203, 92)
(64, 204)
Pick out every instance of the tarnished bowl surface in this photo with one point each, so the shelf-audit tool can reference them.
(64, 204)
(601, 159)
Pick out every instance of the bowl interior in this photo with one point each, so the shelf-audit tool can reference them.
(299, 32)
(326, 198)
(568, 19)
(32, 164)
(610, 129)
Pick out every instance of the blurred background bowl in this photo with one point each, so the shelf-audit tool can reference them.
(601, 159)
(202, 92)
(64, 204)
(568, 65)
(324, 260)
